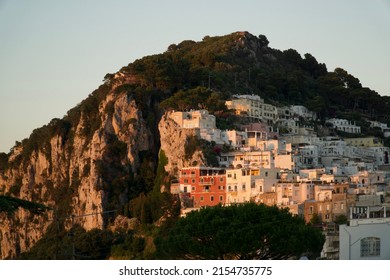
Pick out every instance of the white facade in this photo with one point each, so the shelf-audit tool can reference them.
(368, 235)
(240, 184)
(236, 138)
(334, 147)
(288, 126)
(303, 112)
(290, 193)
(365, 178)
(308, 156)
(382, 126)
(206, 124)
(311, 139)
(253, 107)
(194, 119)
(344, 125)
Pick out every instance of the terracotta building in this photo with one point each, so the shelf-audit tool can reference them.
(206, 185)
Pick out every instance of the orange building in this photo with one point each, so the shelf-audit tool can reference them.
(206, 185)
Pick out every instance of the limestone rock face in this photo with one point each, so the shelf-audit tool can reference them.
(173, 140)
(122, 222)
(65, 173)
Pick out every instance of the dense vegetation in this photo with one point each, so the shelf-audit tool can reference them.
(246, 231)
(10, 204)
(92, 245)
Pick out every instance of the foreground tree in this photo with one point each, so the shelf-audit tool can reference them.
(10, 204)
(247, 231)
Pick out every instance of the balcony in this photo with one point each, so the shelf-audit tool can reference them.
(205, 183)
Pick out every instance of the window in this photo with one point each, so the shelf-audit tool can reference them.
(311, 210)
(185, 181)
(243, 187)
(211, 198)
(201, 198)
(220, 198)
(341, 205)
(193, 188)
(221, 179)
(229, 175)
(370, 247)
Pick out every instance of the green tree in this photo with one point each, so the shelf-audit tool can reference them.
(341, 220)
(246, 231)
(10, 204)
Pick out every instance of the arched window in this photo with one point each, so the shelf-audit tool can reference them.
(370, 247)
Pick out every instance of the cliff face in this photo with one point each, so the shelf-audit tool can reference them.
(173, 142)
(67, 173)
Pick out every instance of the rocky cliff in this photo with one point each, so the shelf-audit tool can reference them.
(173, 142)
(67, 170)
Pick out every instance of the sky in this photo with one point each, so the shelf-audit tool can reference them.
(53, 54)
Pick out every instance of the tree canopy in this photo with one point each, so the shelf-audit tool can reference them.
(10, 204)
(246, 231)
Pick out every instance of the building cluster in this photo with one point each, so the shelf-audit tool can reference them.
(276, 160)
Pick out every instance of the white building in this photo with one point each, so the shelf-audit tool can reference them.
(253, 106)
(290, 126)
(303, 112)
(292, 193)
(294, 111)
(367, 237)
(308, 156)
(206, 125)
(311, 139)
(380, 125)
(344, 125)
(365, 178)
(242, 184)
(194, 119)
(259, 132)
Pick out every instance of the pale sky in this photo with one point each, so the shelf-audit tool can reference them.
(54, 53)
